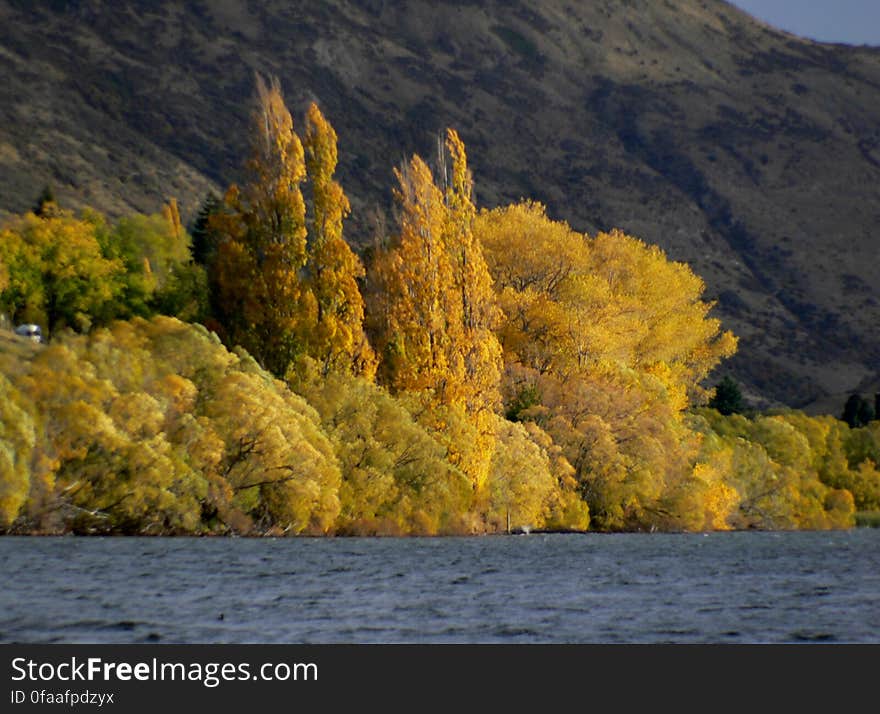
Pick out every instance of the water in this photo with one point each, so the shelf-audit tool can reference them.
(628, 588)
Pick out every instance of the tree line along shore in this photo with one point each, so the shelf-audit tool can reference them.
(472, 371)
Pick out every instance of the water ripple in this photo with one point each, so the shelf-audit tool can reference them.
(724, 587)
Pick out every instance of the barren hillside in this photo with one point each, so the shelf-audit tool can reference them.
(750, 153)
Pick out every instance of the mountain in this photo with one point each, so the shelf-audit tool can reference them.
(748, 152)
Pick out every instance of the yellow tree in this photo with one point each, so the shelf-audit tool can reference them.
(171, 213)
(572, 302)
(476, 347)
(259, 290)
(337, 339)
(532, 259)
(436, 310)
(606, 342)
(416, 289)
(17, 438)
(57, 271)
(4, 275)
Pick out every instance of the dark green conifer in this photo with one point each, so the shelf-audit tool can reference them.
(44, 201)
(203, 240)
(857, 411)
(728, 398)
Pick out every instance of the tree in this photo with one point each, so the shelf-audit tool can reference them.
(436, 306)
(572, 302)
(17, 438)
(857, 411)
(606, 343)
(58, 271)
(434, 309)
(395, 475)
(530, 483)
(154, 250)
(337, 339)
(262, 241)
(151, 244)
(477, 346)
(153, 426)
(415, 290)
(45, 203)
(204, 240)
(728, 397)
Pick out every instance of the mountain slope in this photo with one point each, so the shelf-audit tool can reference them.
(750, 153)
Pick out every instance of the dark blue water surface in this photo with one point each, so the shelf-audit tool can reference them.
(717, 588)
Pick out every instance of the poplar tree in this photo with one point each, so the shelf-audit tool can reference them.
(436, 307)
(262, 249)
(416, 289)
(475, 347)
(337, 338)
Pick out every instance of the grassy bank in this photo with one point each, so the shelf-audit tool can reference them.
(868, 519)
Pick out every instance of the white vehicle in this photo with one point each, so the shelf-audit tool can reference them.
(31, 331)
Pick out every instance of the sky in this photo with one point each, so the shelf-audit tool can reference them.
(853, 22)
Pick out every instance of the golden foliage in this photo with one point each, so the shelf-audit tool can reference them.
(395, 474)
(155, 427)
(609, 341)
(17, 440)
(337, 339)
(596, 348)
(262, 241)
(58, 273)
(434, 310)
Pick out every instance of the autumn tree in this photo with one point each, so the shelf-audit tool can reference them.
(262, 241)
(58, 271)
(154, 427)
(779, 471)
(477, 348)
(152, 244)
(606, 343)
(532, 259)
(434, 309)
(278, 464)
(396, 477)
(530, 483)
(17, 439)
(415, 291)
(337, 338)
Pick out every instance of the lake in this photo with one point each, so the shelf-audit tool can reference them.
(746, 587)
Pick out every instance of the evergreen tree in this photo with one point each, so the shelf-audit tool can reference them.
(204, 239)
(866, 412)
(45, 202)
(728, 397)
(857, 411)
